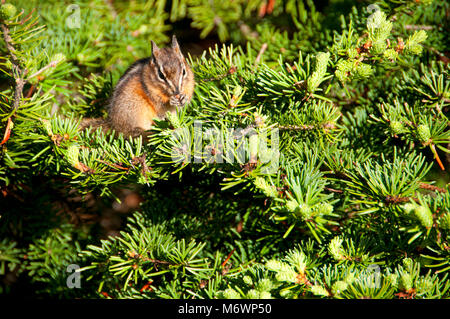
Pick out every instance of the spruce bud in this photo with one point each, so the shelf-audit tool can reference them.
(408, 263)
(390, 54)
(339, 286)
(7, 11)
(48, 126)
(253, 294)
(265, 295)
(305, 211)
(397, 127)
(379, 46)
(352, 53)
(231, 294)
(72, 155)
(408, 208)
(364, 70)
(335, 248)
(319, 291)
(393, 278)
(268, 190)
(275, 265)
(314, 81)
(343, 70)
(325, 208)
(321, 68)
(405, 281)
(413, 44)
(322, 62)
(423, 132)
(248, 280)
(424, 215)
(291, 205)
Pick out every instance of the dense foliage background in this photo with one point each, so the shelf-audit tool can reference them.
(354, 203)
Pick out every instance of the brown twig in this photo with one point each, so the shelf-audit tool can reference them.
(50, 65)
(333, 190)
(30, 91)
(7, 134)
(228, 258)
(418, 27)
(156, 261)
(113, 165)
(260, 53)
(17, 71)
(398, 199)
(8, 42)
(18, 74)
(432, 188)
(27, 17)
(266, 8)
(145, 169)
(296, 127)
(436, 156)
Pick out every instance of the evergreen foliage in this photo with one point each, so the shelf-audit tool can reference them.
(311, 162)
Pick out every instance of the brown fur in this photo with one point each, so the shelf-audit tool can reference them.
(147, 90)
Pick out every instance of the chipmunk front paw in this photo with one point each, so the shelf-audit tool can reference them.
(178, 100)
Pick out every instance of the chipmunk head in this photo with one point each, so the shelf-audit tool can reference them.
(171, 72)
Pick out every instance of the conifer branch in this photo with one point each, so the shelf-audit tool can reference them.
(18, 72)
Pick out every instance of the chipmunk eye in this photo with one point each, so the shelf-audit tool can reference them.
(161, 75)
(184, 72)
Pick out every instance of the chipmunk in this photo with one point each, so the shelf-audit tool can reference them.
(148, 89)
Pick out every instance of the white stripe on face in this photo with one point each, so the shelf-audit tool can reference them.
(179, 83)
(182, 75)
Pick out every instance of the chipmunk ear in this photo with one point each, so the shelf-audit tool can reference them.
(154, 48)
(175, 43)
